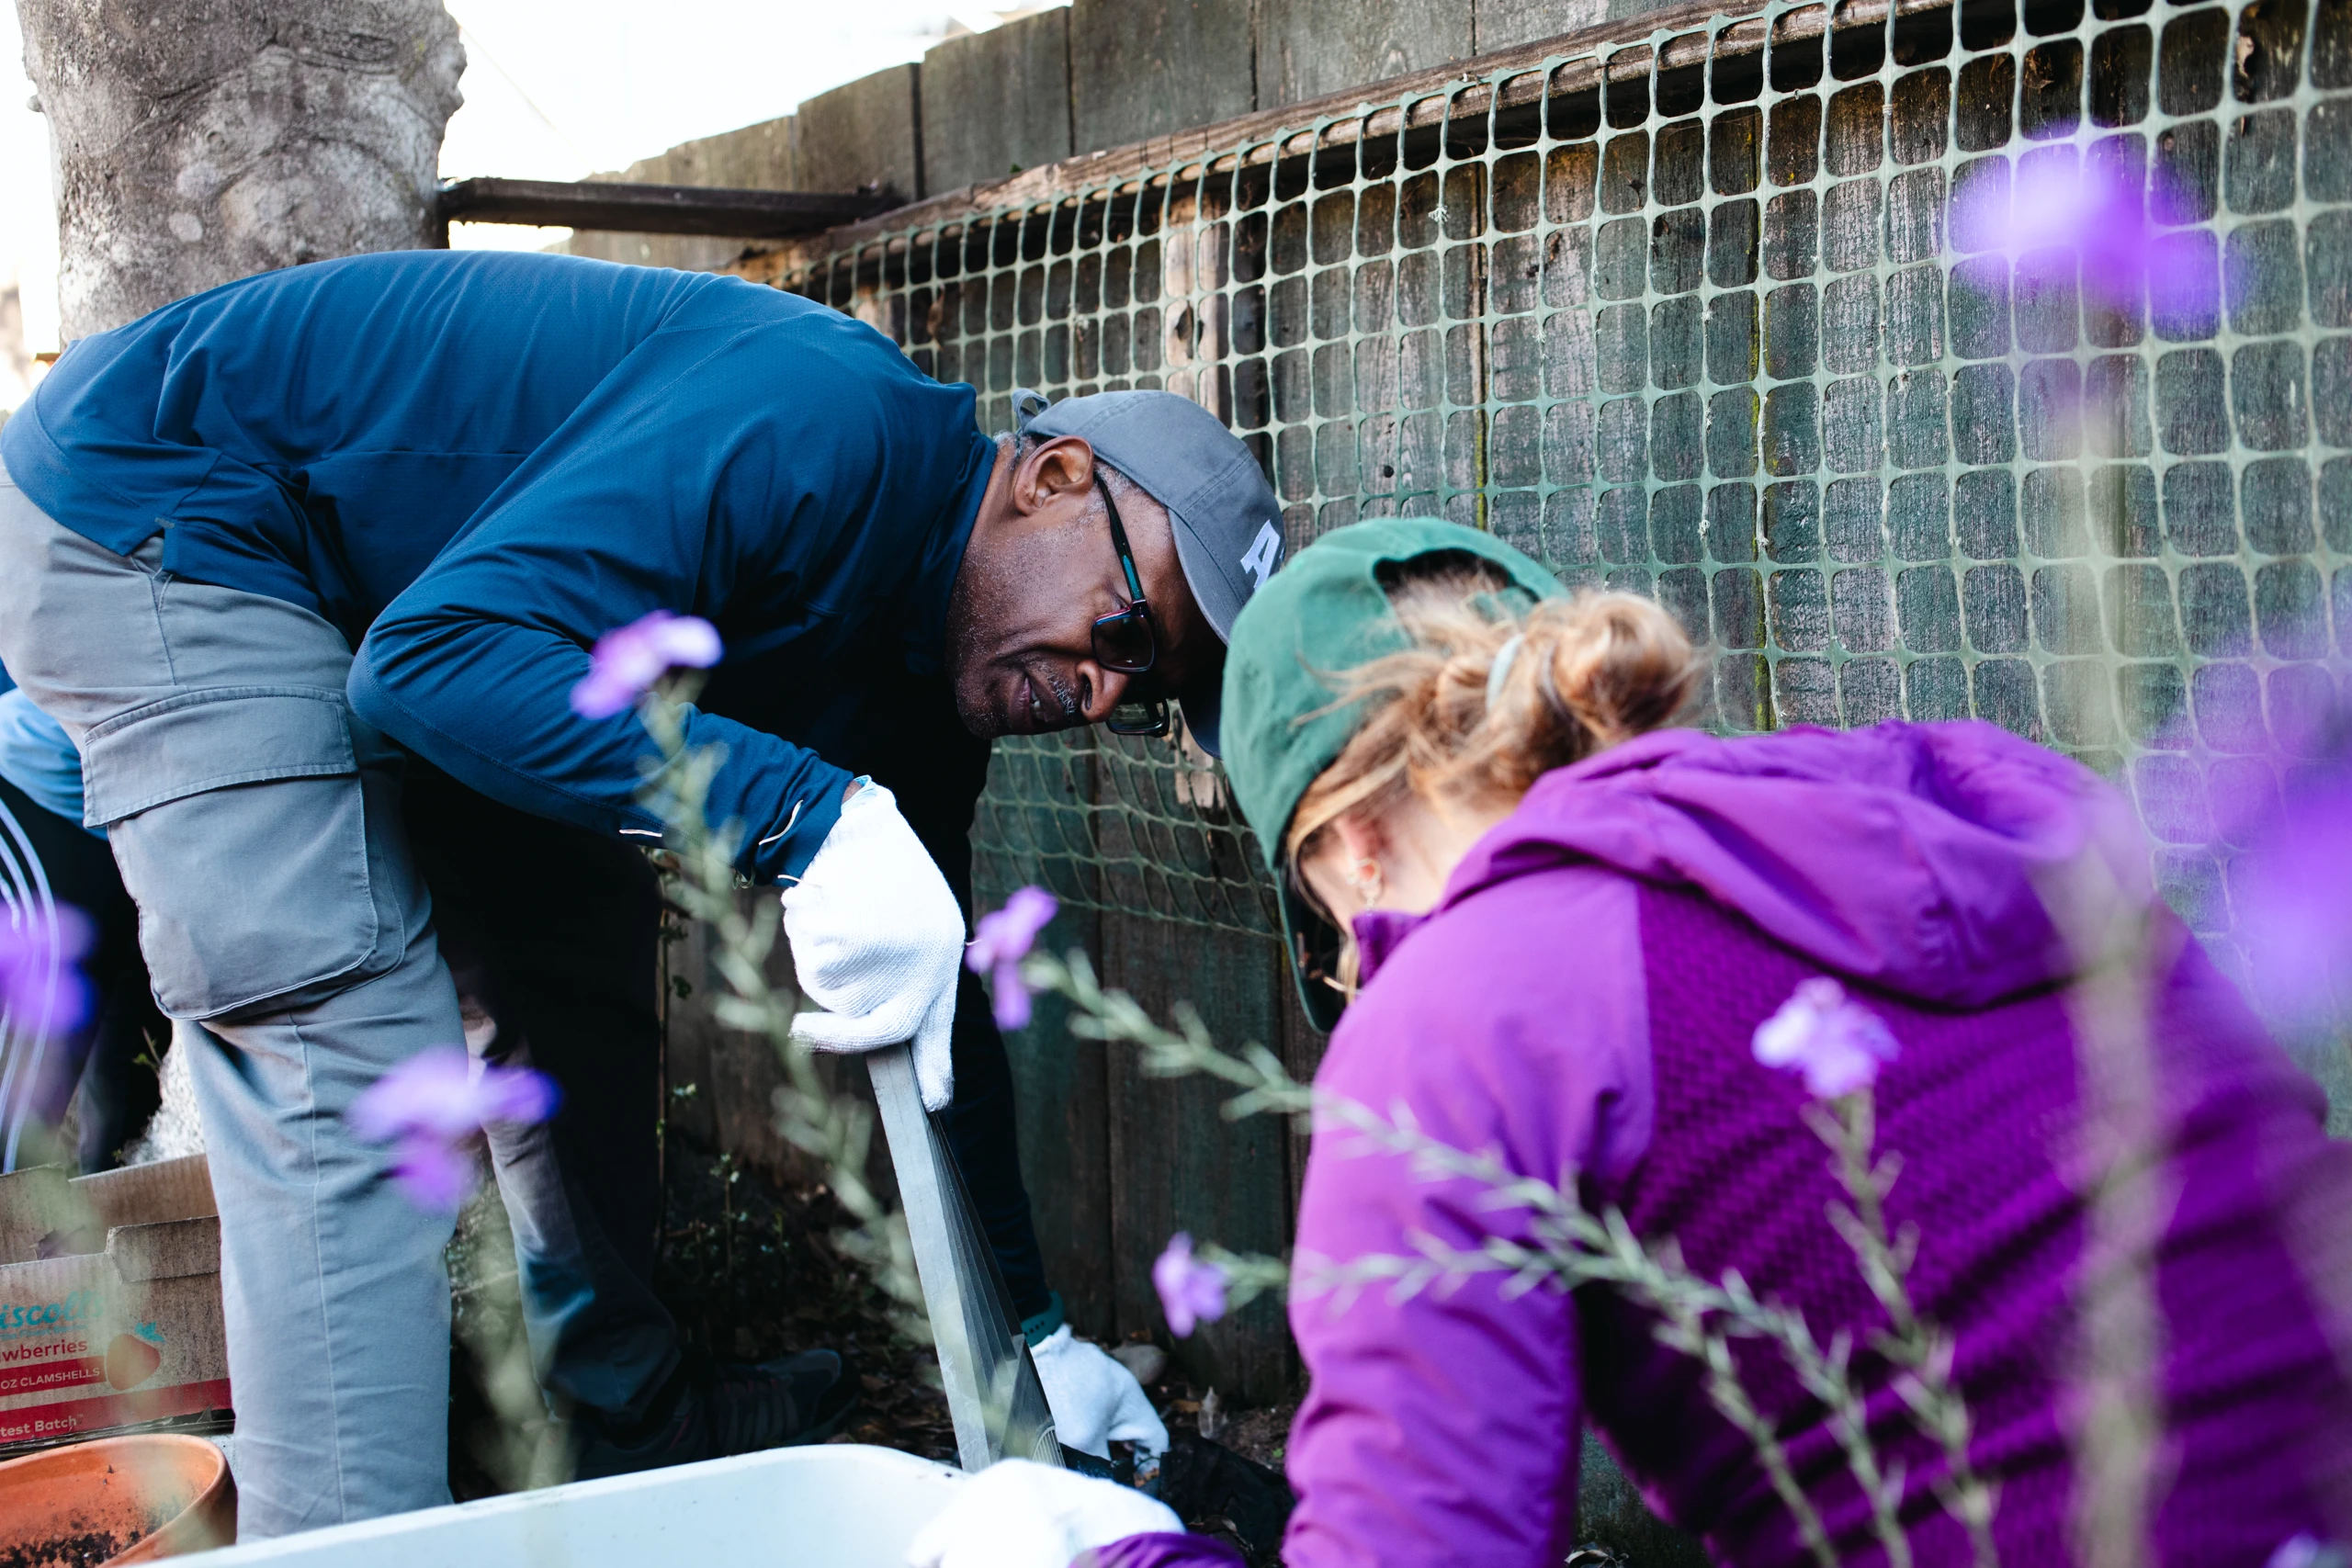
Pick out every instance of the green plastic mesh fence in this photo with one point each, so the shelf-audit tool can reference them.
(1689, 316)
(1138, 826)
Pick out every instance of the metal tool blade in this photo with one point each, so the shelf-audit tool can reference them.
(993, 1394)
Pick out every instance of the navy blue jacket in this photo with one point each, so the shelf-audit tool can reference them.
(479, 462)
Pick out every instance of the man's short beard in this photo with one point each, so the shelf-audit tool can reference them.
(967, 603)
(977, 591)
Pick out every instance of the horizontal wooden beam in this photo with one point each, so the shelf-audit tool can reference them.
(1350, 116)
(1527, 74)
(655, 209)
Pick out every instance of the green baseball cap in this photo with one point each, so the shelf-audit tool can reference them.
(1325, 613)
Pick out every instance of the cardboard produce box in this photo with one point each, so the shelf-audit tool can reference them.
(110, 1304)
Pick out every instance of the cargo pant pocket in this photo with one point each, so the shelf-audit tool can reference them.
(240, 823)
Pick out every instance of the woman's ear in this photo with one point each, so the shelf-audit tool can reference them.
(1360, 836)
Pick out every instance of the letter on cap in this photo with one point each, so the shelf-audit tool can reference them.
(1264, 551)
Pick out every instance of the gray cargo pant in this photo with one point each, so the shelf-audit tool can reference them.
(257, 826)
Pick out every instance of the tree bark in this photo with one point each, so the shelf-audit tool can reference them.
(197, 142)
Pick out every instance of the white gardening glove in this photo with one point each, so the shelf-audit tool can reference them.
(1019, 1514)
(878, 941)
(1094, 1400)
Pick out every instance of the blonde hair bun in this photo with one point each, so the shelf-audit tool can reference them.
(1490, 697)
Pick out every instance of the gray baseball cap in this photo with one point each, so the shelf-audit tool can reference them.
(1228, 526)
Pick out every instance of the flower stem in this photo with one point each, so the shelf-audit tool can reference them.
(1922, 1351)
(1579, 1248)
(834, 1129)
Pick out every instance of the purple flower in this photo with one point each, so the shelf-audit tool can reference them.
(1190, 1293)
(429, 1106)
(2307, 1552)
(1001, 943)
(630, 659)
(1837, 1044)
(2295, 901)
(2096, 208)
(41, 990)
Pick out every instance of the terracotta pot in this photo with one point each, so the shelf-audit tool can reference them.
(115, 1500)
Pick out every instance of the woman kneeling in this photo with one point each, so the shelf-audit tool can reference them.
(1718, 987)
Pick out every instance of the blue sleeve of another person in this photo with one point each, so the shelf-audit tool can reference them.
(791, 481)
(38, 757)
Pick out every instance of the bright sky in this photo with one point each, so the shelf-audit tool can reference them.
(555, 90)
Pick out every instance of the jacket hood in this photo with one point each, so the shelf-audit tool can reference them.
(1921, 859)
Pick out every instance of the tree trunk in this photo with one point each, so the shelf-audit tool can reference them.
(197, 141)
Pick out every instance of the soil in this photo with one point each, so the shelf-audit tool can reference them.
(749, 1272)
(85, 1550)
(1262, 1435)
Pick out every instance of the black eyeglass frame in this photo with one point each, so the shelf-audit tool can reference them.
(1153, 712)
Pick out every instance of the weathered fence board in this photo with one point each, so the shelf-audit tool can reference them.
(1060, 1084)
(997, 102)
(1177, 1163)
(1309, 48)
(1063, 1090)
(1139, 69)
(867, 135)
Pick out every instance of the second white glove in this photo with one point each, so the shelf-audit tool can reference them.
(1019, 1514)
(878, 941)
(1094, 1400)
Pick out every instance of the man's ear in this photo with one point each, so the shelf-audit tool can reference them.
(1053, 469)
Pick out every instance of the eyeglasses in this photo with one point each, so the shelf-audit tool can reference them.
(1123, 640)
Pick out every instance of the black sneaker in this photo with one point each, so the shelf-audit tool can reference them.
(711, 1410)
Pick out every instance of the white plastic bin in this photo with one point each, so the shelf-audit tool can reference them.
(833, 1505)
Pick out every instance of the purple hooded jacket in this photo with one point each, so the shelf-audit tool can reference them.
(1583, 1000)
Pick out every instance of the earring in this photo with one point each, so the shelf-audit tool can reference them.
(1365, 875)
